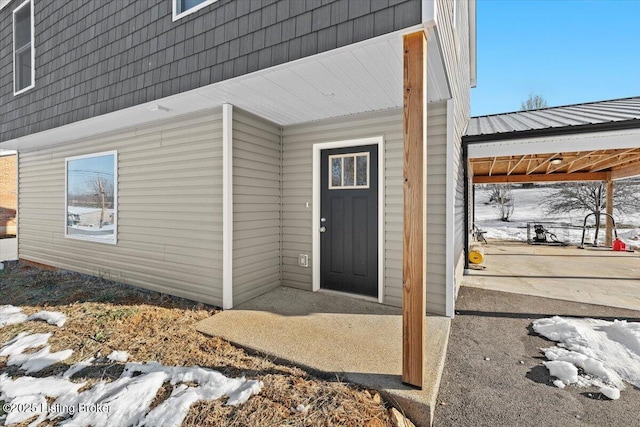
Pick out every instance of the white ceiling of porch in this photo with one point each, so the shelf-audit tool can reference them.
(358, 78)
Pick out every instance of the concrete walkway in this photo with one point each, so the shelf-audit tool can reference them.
(359, 340)
(567, 273)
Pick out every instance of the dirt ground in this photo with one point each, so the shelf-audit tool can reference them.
(502, 391)
(104, 316)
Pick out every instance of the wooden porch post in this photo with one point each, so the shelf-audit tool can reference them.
(609, 230)
(414, 240)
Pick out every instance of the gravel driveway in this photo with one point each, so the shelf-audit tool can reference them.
(512, 387)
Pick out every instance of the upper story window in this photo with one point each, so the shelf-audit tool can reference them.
(23, 53)
(182, 8)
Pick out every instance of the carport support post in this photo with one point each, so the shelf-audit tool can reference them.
(414, 237)
(609, 232)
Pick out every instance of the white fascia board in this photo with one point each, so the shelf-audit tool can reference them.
(4, 3)
(450, 273)
(556, 144)
(227, 206)
(473, 62)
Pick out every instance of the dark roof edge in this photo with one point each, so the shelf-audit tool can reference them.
(558, 106)
(553, 131)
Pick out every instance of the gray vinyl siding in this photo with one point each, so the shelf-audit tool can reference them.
(169, 208)
(256, 206)
(436, 207)
(297, 192)
(454, 38)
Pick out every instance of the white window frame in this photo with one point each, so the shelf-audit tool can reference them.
(33, 49)
(176, 15)
(114, 240)
(355, 156)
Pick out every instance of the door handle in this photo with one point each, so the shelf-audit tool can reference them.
(323, 229)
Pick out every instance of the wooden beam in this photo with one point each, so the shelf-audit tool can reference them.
(555, 177)
(615, 162)
(608, 240)
(414, 304)
(626, 172)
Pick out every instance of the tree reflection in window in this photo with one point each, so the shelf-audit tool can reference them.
(92, 197)
(349, 171)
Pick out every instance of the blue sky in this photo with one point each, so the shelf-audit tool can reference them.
(567, 51)
(83, 172)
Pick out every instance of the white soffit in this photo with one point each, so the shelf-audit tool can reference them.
(358, 78)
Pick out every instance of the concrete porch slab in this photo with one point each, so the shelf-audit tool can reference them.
(357, 339)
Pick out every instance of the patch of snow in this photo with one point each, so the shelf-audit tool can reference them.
(611, 392)
(564, 371)
(118, 356)
(31, 405)
(125, 401)
(11, 315)
(51, 317)
(34, 362)
(608, 353)
(23, 341)
(172, 412)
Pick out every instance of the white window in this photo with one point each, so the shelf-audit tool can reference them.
(24, 74)
(349, 171)
(92, 197)
(182, 8)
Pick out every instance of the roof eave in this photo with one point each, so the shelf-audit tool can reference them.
(553, 131)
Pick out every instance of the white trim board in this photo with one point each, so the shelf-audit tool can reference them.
(227, 206)
(315, 224)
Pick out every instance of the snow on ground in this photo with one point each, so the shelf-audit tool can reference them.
(592, 352)
(528, 207)
(124, 402)
(118, 356)
(10, 315)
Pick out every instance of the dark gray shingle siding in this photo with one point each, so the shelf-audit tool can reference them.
(95, 57)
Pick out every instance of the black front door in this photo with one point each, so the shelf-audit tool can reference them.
(349, 220)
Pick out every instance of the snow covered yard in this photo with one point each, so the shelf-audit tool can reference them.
(76, 350)
(529, 207)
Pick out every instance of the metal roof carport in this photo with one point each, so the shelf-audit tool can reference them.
(598, 141)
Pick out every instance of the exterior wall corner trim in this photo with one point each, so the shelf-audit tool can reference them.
(227, 206)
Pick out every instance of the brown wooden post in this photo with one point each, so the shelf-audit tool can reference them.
(414, 240)
(609, 231)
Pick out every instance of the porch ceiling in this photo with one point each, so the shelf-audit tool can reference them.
(353, 79)
(558, 166)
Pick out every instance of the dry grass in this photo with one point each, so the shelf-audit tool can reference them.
(104, 316)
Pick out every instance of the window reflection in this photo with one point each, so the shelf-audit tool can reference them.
(91, 197)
